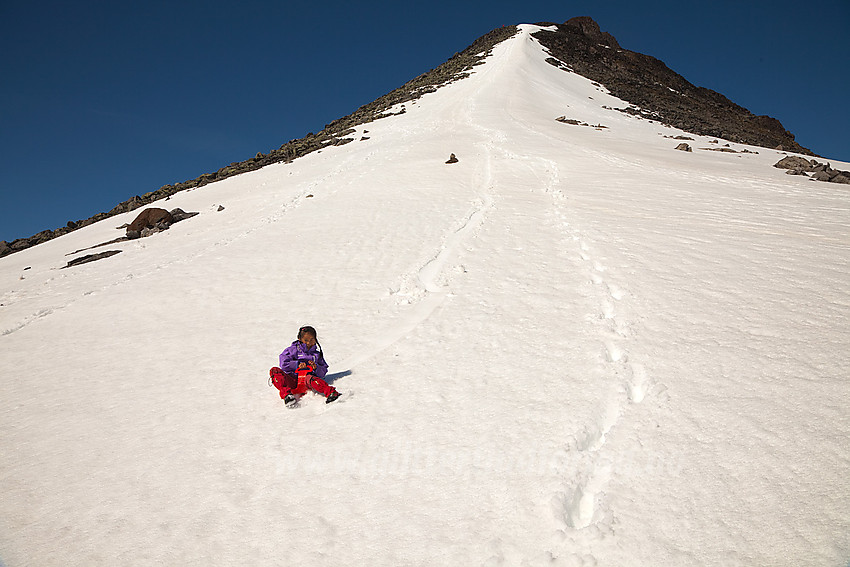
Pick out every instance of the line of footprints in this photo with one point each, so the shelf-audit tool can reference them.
(581, 505)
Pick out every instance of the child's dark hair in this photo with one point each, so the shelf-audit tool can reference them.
(307, 329)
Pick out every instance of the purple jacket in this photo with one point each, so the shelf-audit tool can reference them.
(297, 353)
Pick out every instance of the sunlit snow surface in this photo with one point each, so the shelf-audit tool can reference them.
(576, 346)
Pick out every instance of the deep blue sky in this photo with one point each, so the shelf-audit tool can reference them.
(100, 101)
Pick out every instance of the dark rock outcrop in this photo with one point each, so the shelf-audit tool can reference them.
(684, 147)
(452, 159)
(591, 30)
(656, 92)
(91, 258)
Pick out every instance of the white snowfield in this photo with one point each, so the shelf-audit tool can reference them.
(575, 346)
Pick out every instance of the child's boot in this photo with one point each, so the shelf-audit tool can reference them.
(332, 396)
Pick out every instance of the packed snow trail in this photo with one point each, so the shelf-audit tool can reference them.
(575, 346)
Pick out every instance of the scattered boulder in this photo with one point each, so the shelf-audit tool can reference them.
(797, 165)
(794, 163)
(220, 208)
(573, 121)
(684, 147)
(453, 159)
(91, 258)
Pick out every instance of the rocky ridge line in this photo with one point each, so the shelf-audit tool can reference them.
(656, 92)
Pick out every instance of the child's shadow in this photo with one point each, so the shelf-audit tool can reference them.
(331, 378)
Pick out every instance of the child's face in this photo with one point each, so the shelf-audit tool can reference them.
(308, 340)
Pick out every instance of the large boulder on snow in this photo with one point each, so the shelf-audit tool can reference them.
(153, 220)
(149, 219)
(794, 162)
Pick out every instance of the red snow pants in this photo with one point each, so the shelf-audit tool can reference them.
(298, 385)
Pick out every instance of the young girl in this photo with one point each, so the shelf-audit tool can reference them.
(302, 366)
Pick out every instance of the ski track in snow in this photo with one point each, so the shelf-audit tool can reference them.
(584, 500)
(584, 490)
(430, 292)
(427, 287)
(584, 494)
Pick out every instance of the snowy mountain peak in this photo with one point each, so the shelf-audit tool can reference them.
(650, 88)
(573, 345)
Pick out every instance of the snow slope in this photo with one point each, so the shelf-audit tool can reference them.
(576, 346)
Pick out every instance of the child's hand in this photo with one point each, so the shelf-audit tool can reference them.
(302, 365)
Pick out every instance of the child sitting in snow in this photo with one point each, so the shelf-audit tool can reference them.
(302, 366)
